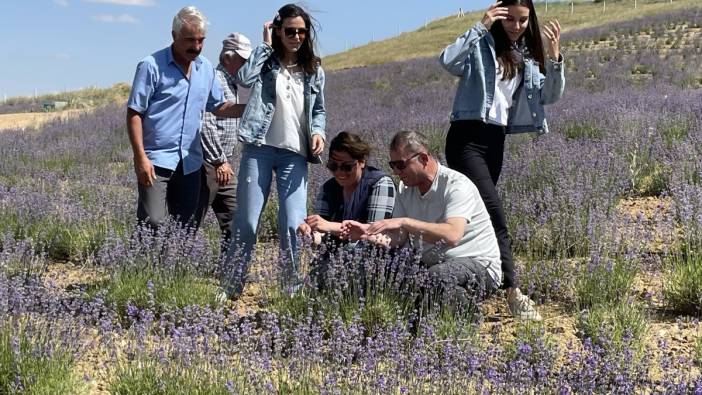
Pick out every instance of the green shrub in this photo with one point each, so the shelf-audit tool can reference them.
(647, 175)
(31, 364)
(604, 283)
(149, 377)
(542, 346)
(452, 326)
(674, 129)
(436, 137)
(582, 130)
(61, 238)
(682, 281)
(160, 290)
(614, 326)
(547, 279)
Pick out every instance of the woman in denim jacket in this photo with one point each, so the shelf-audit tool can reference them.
(282, 129)
(505, 83)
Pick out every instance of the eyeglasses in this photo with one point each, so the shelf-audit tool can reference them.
(290, 32)
(400, 165)
(345, 167)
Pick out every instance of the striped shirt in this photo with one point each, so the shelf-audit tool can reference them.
(219, 134)
(380, 202)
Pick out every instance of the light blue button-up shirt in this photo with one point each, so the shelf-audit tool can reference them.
(173, 107)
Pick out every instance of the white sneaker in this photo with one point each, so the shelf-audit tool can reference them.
(523, 308)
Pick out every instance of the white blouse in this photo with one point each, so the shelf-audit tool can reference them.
(287, 128)
(503, 99)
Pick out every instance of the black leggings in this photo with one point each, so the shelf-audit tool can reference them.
(475, 149)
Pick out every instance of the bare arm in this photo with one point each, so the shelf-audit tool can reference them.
(449, 232)
(143, 167)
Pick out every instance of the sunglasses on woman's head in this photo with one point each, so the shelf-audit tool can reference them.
(400, 165)
(290, 32)
(345, 167)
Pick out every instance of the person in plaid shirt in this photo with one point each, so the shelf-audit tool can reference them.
(356, 191)
(219, 137)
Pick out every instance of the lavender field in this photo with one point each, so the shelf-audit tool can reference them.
(605, 213)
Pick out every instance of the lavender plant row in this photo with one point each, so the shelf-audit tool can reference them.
(220, 351)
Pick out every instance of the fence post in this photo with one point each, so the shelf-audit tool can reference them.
(571, 7)
(604, 7)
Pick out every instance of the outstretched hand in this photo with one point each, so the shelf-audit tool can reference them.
(385, 225)
(494, 13)
(304, 229)
(353, 230)
(318, 224)
(552, 33)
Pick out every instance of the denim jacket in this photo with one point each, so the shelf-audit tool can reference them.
(472, 57)
(259, 73)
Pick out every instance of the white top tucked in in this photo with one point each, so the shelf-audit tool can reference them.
(287, 128)
(504, 93)
(452, 195)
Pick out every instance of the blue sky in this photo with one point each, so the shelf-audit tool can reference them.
(56, 45)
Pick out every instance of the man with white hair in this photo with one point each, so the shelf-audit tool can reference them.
(172, 88)
(219, 138)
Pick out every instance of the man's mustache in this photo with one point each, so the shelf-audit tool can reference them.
(193, 51)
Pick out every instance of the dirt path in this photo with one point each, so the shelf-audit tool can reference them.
(34, 119)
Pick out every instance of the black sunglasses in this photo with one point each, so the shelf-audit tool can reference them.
(400, 165)
(345, 167)
(292, 31)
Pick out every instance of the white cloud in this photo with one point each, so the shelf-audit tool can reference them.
(124, 18)
(62, 3)
(139, 3)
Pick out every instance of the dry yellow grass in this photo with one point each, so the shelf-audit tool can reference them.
(430, 40)
(34, 119)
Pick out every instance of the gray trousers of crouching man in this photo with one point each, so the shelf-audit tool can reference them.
(461, 282)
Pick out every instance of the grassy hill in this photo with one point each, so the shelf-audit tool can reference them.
(80, 99)
(430, 40)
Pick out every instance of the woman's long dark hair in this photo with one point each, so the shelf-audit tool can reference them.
(305, 55)
(511, 60)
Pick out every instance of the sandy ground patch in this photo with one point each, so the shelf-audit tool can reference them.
(34, 119)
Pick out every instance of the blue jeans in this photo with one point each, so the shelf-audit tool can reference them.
(254, 184)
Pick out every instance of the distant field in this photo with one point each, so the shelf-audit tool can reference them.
(34, 119)
(430, 40)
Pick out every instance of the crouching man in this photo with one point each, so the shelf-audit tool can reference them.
(439, 211)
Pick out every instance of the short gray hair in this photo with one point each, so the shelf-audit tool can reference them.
(191, 16)
(410, 140)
